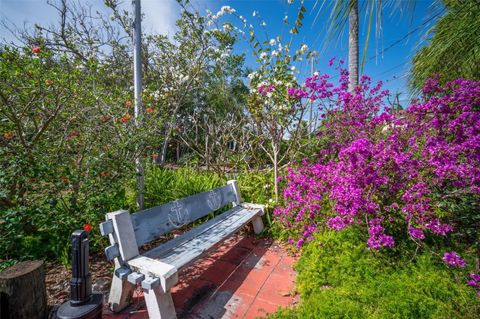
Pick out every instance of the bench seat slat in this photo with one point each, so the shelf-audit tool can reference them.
(184, 249)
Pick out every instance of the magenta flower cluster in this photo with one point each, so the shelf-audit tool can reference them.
(381, 168)
(297, 93)
(452, 259)
(264, 89)
(474, 280)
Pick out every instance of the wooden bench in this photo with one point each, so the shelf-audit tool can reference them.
(156, 270)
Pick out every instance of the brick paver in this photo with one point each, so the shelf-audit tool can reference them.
(243, 278)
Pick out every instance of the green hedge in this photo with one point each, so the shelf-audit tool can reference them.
(339, 278)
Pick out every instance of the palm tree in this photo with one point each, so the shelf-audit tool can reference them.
(353, 45)
(343, 11)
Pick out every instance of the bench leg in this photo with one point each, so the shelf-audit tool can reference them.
(121, 292)
(159, 305)
(257, 224)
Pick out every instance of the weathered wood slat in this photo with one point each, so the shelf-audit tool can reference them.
(164, 248)
(186, 248)
(151, 223)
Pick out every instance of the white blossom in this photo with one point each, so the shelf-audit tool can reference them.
(227, 9)
(252, 75)
(272, 42)
(304, 48)
(254, 13)
(263, 24)
(263, 55)
(275, 53)
(292, 68)
(263, 83)
(227, 27)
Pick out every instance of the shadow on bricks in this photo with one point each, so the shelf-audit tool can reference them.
(197, 295)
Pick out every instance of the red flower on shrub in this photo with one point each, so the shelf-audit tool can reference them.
(36, 50)
(149, 110)
(104, 174)
(64, 179)
(8, 135)
(126, 117)
(87, 227)
(48, 82)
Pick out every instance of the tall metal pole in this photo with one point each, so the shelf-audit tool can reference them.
(310, 119)
(137, 80)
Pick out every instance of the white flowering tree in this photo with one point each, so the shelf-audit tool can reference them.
(182, 72)
(275, 98)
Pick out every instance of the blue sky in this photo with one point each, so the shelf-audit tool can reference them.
(388, 57)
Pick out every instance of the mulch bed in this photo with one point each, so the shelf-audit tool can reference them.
(57, 278)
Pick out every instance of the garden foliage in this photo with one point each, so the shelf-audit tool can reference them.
(397, 173)
(338, 277)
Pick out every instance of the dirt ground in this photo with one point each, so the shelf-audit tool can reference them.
(58, 279)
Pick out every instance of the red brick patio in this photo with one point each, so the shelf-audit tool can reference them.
(243, 278)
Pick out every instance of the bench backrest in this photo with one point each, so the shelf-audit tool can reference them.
(154, 222)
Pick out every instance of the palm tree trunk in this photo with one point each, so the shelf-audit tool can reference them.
(353, 45)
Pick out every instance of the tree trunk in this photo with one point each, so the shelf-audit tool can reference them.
(22, 291)
(275, 171)
(178, 152)
(207, 155)
(353, 45)
(163, 152)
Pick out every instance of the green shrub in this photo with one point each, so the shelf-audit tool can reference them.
(163, 185)
(339, 278)
(257, 187)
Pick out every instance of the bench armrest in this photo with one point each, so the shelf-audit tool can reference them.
(251, 206)
(167, 274)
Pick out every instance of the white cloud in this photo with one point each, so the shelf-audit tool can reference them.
(159, 15)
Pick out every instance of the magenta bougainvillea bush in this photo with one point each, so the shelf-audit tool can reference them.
(387, 170)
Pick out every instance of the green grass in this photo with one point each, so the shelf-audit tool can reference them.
(339, 278)
(164, 185)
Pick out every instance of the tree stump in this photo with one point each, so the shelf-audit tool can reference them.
(22, 291)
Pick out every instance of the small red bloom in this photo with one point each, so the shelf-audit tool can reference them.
(36, 50)
(87, 227)
(72, 135)
(149, 110)
(126, 117)
(64, 179)
(8, 135)
(104, 174)
(48, 82)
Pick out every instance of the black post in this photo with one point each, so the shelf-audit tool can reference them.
(81, 282)
(83, 304)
